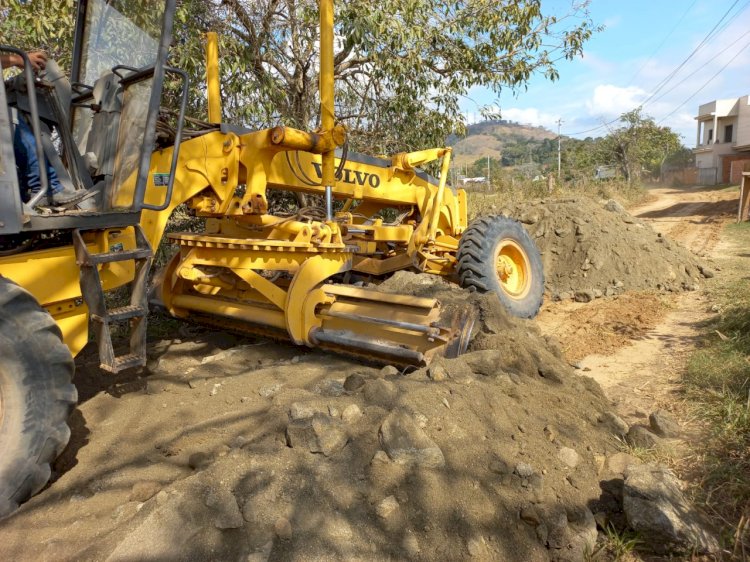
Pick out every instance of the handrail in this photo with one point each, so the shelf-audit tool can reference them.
(35, 126)
(177, 141)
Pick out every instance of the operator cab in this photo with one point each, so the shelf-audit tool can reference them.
(97, 128)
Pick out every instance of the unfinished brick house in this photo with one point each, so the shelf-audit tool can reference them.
(723, 140)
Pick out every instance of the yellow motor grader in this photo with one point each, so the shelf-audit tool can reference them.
(292, 275)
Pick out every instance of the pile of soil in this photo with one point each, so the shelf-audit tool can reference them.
(592, 249)
(261, 451)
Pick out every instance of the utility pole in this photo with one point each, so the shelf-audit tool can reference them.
(488, 173)
(559, 151)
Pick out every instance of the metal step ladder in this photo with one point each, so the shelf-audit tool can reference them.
(134, 315)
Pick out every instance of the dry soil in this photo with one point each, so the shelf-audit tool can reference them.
(241, 449)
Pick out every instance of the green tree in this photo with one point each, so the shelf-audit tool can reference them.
(638, 145)
(401, 66)
(39, 24)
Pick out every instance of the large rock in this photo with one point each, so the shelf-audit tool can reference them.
(658, 511)
(640, 436)
(618, 463)
(226, 513)
(380, 392)
(663, 424)
(569, 533)
(614, 423)
(406, 443)
(318, 434)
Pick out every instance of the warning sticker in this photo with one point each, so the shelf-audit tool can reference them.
(161, 180)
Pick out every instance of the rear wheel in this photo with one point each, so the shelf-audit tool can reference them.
(495, 254)
(36, 395)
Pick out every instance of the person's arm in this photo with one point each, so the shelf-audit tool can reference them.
(38, 60)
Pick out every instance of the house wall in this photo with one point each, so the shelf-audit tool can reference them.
(736, 169)
(743, 125)
(704, 160)
(732, 161)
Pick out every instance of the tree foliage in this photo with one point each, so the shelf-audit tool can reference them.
(639, 145)
(401, 66)
(39, 24)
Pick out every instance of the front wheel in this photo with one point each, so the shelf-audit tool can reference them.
(36, 395)
(495, 254)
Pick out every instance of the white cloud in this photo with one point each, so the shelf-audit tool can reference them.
(529, 116)
(611, 101)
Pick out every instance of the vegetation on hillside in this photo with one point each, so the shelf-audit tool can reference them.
(636, 150)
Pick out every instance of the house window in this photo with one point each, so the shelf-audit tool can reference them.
(710, 135)
(728, 133)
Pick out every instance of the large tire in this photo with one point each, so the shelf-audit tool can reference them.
(495, 254)
(36, 395)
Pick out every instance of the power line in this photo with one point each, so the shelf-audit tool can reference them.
(715, 29)
(706, 83)
(705, 40)
(724, 50)
(685, 13)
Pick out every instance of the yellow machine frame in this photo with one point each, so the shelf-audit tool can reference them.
(266, 273)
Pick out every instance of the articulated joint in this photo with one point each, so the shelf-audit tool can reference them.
(317, 143)
(409, 161)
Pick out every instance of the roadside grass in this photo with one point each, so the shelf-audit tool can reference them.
(615, 546)
(717, 383)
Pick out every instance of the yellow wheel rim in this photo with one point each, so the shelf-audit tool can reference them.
(513, 268)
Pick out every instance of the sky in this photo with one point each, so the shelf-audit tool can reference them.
(632, 61)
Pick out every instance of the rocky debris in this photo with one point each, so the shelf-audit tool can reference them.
(590, 249)
(640, 436)
(143, 491)
(568, 457)
(380, 392)
(200, 460)
(619, 463)
(330, 387)
(569, 533)
(226, 512)
(584, 296)
(477, 547)
(353, 382)
(614, 206)
(351, 414)
(283, 528)
(460, 475)
(318, 434)
(410, 545)
(302, 411)
(706, 272)
(387, 507)
(270, 390)
(389, 371)
(487, 362)
(663, 424)
(405, 442)
(524, 470)
(614, 423)
(658, 511)
(437, 372)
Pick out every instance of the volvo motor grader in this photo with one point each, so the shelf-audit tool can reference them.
(286, 275)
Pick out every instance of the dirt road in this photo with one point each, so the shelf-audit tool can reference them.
(648, 336)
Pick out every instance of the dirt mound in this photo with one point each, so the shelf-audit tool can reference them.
(264, 452)
(592, 249)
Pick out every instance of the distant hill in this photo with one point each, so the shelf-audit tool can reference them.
(490, 137)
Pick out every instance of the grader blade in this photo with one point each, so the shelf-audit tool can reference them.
(376, 326)
(390, 328)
